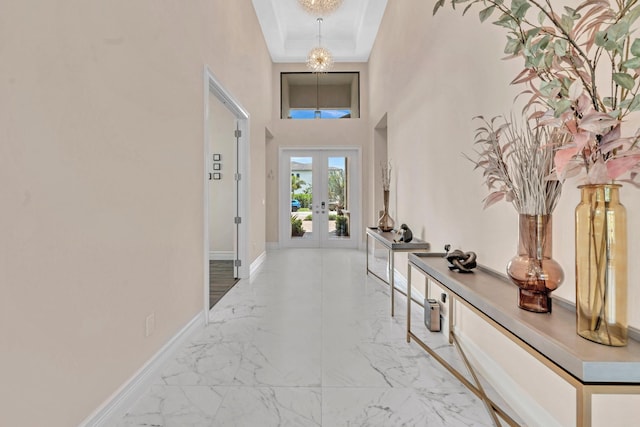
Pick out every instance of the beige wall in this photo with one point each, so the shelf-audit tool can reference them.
(222, 208)
(101, 172)
(431, 75)
(313, 134)
(240, 61)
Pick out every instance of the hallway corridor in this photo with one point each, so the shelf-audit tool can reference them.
(308, 341)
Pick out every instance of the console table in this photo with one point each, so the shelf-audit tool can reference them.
(551, 338)
(386, 239)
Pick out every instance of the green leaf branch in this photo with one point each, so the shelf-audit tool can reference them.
(562, 49)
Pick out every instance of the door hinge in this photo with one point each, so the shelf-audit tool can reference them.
(237, 177)
(237, 263)
(237, 133)
(237, 220)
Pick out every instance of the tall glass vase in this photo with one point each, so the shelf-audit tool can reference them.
(386, 223)
(533, 269)
(601, 265)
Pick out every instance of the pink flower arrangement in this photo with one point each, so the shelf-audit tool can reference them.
(596, 145)
(571, 58)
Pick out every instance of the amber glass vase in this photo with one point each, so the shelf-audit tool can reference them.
(533, 269)
(601, 265)
(385, 222)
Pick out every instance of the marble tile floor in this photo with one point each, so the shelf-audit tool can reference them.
(308, 341)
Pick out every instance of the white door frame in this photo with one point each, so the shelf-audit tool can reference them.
(213, 86)
(356, 198)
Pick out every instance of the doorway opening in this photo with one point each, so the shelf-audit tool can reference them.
(226, 200)
(320, 197)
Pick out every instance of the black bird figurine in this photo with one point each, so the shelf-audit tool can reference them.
(407, 235)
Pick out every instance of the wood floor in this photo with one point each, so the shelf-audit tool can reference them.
(221, 279)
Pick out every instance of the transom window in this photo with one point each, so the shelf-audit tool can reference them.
(320, 95)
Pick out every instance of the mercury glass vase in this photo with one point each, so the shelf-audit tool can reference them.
(601, 265)
(533, 270)
(385, 222)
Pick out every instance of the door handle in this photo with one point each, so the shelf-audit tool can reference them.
(322, 204)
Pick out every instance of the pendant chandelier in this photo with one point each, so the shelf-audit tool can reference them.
(320, 7)
(319, 59)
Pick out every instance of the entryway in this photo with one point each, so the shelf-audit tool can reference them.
(226, 191)
(320, 203)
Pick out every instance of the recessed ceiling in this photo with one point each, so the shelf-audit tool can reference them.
(348, 33)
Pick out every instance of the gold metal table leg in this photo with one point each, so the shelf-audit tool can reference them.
(409, 304)
(392, 282)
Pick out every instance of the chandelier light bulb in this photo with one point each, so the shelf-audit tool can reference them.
(319, 60)
(320, 7)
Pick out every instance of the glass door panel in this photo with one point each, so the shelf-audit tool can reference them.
(317, 209)
(337, 186)
(301, 172)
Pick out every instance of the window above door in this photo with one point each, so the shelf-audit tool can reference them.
(320, 95)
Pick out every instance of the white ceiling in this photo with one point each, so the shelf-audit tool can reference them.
(348, 33)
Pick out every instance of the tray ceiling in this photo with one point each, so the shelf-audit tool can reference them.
(348, 33)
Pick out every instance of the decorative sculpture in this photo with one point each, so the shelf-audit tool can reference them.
(463, 262)
(404, 234)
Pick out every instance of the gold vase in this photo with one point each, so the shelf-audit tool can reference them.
(533, 270)
(385, 222)
(601, 265)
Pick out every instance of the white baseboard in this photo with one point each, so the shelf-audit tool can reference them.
(530, 411)
(272, 245)
(107, 413)
(380, 253)
(401, 282)
(222, 255)
(257, 263)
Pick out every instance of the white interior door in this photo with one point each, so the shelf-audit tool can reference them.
(320, 197)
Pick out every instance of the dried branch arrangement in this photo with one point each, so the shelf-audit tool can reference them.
(518, 164)
(386, 175)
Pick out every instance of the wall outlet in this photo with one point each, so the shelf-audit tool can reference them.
(150, 324)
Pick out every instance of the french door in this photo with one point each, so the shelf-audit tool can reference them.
(320, 198)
